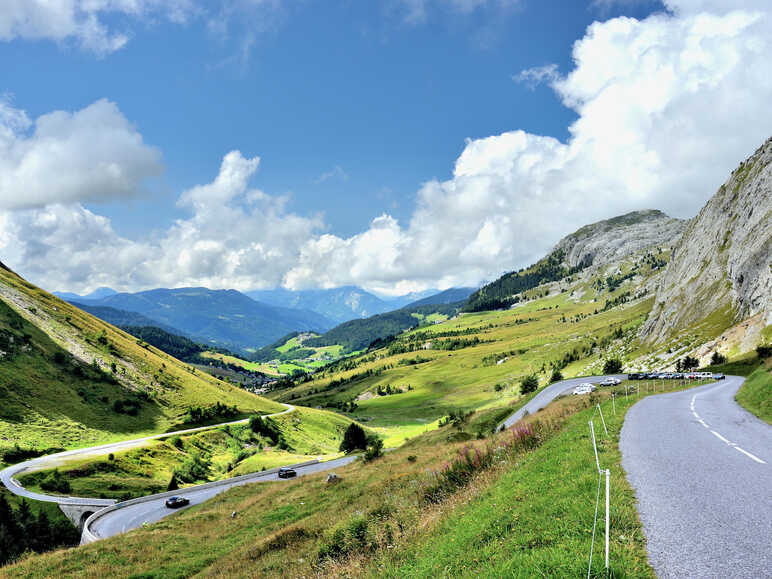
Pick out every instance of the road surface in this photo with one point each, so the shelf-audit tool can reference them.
(551, 392)
(8, 475)
(701, 467)
(135, 515)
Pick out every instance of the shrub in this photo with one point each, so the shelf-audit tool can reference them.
(612, 366)
(176, 442)
(529, 384)
(173, 484)
(556, 376)
(764, 350)
(59, 357)
(717, 358)
(353, 439)
(411, 458)
(374, 449)
(55, 482)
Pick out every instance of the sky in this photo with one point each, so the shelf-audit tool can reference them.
(397, 145)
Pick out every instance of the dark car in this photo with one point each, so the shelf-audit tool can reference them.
(285, 472)
(718, 376)
(633, 376)
(177, 502)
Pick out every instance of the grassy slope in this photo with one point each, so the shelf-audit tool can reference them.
(230, 451)
(528, 515)
(460, 378)
(45, 403)
(756, 394)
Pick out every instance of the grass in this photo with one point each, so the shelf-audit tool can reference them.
(528, 514)
(63, 370)
(756, 394)
(226, 452)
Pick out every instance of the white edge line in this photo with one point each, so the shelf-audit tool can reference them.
(749, 455)
(720, 437)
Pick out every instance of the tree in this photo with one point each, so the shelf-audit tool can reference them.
(529, 384)
(374, 449)
(173, 484)
(690, 363)
(353, 439)
(556, 376)
(612, 366)
(717, 358)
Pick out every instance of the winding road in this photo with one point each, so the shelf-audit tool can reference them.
(701, 467)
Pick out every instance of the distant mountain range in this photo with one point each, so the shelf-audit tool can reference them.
(338, 304)
(97, 294)
(222, 318)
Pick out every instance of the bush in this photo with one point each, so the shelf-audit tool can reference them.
(176, 442)
(374, 449)
(55, 482)
(556, 376)
(612, 366)
(717, 358)
(411, 458)
(529, 384)
(353, 439)
(764, 350)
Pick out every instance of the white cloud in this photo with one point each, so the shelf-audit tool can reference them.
(533, 77)
(91, 154)
(336, 172)
(82, 20)
(666, 108)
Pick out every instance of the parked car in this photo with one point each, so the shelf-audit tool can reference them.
(585, 388)
(610, 381)
(177, 502)
(285, 472)
(718, 376)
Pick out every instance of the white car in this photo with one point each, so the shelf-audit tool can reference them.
(585, 388)
(610, 381)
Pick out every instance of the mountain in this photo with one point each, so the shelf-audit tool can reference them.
(592, 246)
(122, 318)
(398, 302)
(69, 379)
(449, 296)
(721, 269)
(97, 294)
(360, 334)
(223, 318)
(337, 304)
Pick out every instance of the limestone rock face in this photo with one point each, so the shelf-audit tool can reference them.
(721, 268)
(611, 240)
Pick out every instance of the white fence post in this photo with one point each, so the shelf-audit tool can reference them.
(613, 404)
(603, 419)
(594, 446)
(608, 474)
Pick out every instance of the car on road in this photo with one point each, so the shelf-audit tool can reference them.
(585, 388)
(286, 472)
(718, 376)
(610, 381)
(177, 502)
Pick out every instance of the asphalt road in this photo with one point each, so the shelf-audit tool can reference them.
(551, 392)
(8, 475)
(701, 467)
(135, 515)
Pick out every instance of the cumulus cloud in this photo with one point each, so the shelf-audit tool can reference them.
(666, 108)
(90, 154)
(233, 237)
(82, 20)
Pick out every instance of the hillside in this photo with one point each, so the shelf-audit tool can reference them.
(68, 379)
(338, 304)
(595, 245)
(448, 296)
(222, 318)
(721, 271)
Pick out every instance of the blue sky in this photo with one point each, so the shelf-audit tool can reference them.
(352, 108)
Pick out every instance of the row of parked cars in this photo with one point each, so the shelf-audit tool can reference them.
(587, 387)
(675, 376)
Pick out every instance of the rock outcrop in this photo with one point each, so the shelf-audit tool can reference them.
(611, 240)
(721, 269)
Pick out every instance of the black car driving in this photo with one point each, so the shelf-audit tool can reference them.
(177, 502)
(285, 472)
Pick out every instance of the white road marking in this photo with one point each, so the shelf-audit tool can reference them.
(721, 437)
(749, 455)
(717, 435)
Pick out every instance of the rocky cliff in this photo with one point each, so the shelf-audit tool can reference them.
(609, 241)
(721, 269)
